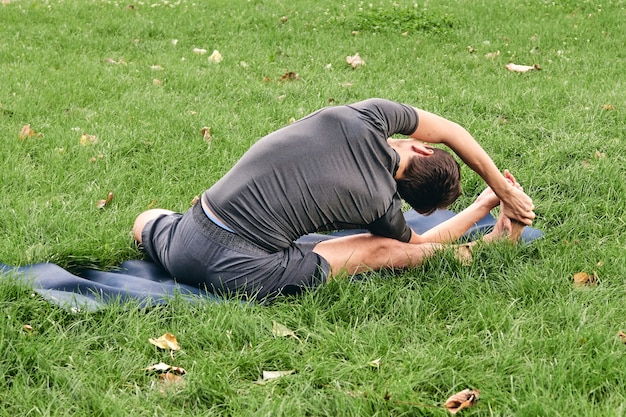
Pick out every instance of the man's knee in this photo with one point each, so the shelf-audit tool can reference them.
(144, 218)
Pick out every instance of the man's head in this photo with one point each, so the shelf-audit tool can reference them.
(430, 181)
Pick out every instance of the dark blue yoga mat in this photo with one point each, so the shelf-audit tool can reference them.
(147, 284)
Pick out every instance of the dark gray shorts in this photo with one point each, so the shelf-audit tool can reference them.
(195, 251)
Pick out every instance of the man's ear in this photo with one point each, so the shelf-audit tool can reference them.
(423, 150)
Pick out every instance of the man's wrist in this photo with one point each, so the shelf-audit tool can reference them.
(483, 207)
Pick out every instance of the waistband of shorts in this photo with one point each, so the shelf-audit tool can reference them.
(222, 236)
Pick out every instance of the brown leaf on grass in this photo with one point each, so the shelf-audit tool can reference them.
(27, 132)
(290, 76)
(215, 57)
(102, 203)
(492, 55)
(171, 378)
(162, 367)
(462, 400)
(463, 254)
(608, 107)
(167, 342)
(600, 155)
(114, 62)
(521, 68)
(199, 51)
(355, 60)
(622, 336)
(86, 139)
(582, 278)
(194, 200)
(27, 328)
(471, 49)
(206, 134)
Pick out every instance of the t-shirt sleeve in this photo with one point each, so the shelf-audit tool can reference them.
(388, 116)
(392, 224)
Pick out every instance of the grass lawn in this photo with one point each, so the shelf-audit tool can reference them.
(116, 95)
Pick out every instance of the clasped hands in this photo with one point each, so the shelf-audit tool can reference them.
(516, 205)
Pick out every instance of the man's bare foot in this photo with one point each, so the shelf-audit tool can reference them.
(515, 233)
(505, 227)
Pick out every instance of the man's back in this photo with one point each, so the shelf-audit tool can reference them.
(332, 169)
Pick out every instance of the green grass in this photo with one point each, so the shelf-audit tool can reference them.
(511, 324)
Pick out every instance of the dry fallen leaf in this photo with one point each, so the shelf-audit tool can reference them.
(622, 336)
(375, 363)
(114, 62)
(27, 132)
(290, 76)
(156, 68)
(171, 378)
(102, 203)
(194, 200)
(600, 155)
(167, 341)
(86, 139)
(270, 375)
(163, 367)
(608, 107)
(463, 254)
(492, 55)
(27, 328)
(583, 278)
(199, 51)
(215, 57)
(355, 60)
(280, 330)
(521, 68)
(462, 400)
(206, 133)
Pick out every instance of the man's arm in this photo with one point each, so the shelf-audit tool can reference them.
(453, 228)
(436, 129)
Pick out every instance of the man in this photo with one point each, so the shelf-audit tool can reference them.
(336, 168)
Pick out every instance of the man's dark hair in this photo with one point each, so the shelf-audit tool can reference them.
(431, 182)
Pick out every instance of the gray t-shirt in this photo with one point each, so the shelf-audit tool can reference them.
(330, 170)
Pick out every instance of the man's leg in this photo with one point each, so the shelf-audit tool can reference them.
(364, 252)
(144, 218)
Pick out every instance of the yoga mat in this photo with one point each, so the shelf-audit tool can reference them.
(147, 284)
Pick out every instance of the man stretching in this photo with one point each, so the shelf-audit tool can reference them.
(337, 168)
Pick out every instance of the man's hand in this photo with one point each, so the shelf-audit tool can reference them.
(488, 198)
(516, 205)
